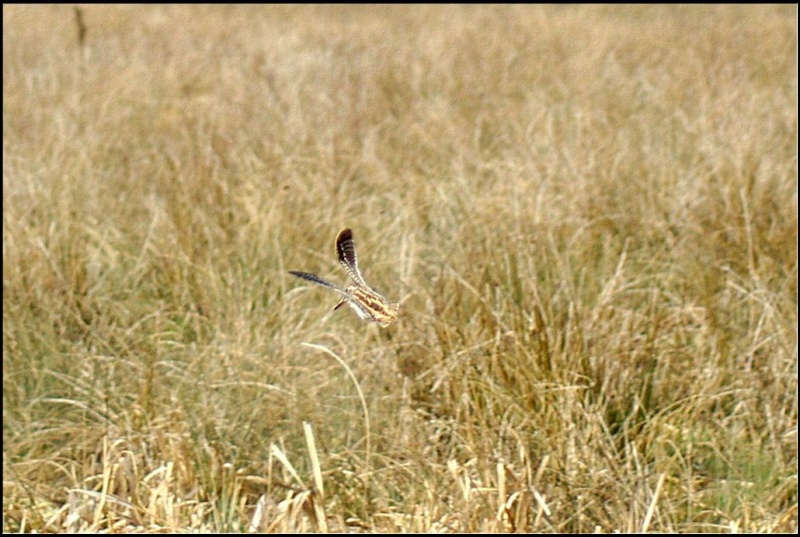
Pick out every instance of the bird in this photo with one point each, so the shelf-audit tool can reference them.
(365, 301)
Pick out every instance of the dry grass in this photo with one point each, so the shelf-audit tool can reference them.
(589, 215)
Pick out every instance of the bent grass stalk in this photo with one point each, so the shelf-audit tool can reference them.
(363, 406)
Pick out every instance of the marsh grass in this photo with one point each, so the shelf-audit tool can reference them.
(588, 214)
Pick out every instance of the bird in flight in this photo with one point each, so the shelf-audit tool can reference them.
(365, 301)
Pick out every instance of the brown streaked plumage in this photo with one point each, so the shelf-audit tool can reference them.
(365, 301)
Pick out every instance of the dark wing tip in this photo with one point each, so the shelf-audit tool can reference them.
(345, 246)
(305, 275)
(344, 235)
(313, 278)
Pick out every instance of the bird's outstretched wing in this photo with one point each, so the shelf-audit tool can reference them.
(319, 281)
(346, 249)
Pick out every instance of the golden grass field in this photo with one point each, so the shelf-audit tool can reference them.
(587, 214)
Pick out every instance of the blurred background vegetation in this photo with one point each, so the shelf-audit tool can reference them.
(588, 214)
